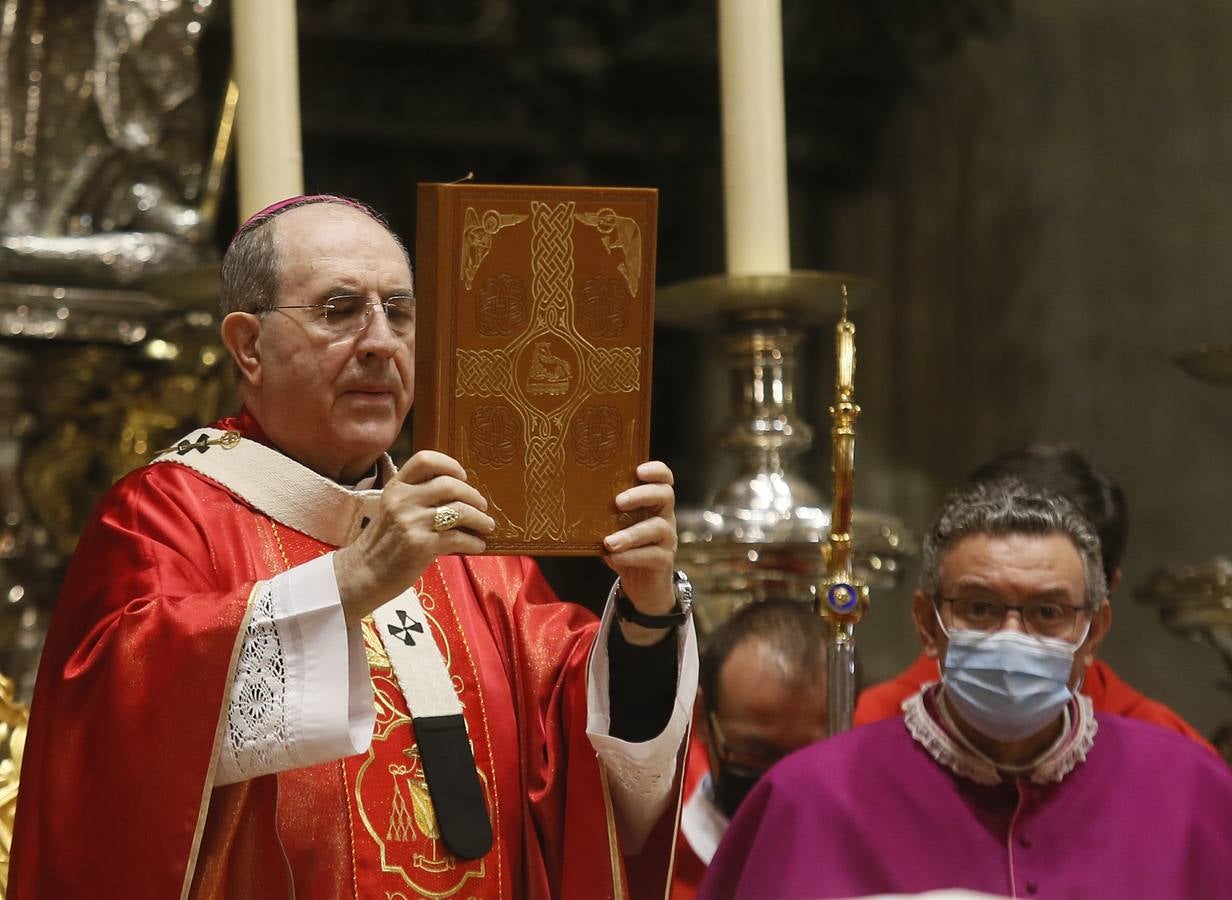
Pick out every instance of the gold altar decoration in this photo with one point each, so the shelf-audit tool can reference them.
(842, 598)
(13, 719)
(109, 410)
(86, 401)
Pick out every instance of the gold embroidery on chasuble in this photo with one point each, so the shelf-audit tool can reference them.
(398, 849)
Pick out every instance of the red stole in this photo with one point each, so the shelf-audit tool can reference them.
(393, 822)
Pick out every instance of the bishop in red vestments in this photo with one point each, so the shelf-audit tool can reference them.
(277, 667)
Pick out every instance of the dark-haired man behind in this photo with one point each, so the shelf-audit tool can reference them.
(762, 695)
(1059, 469)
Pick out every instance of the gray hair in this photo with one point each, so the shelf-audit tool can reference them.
(1007, 506)
(250, 267)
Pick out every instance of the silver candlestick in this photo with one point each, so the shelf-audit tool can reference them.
(758, 536)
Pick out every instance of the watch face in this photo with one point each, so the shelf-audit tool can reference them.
(684, 590)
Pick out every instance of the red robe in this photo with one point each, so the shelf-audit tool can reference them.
(689, 870)
(130, 708)
(1107, 691)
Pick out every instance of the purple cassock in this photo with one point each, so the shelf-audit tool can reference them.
(1116, 809)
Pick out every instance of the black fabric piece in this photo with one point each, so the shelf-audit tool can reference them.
(453, 783)
(641, 685)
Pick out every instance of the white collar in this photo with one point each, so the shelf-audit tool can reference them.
(280, 487)
(702, 822)
(959, 756)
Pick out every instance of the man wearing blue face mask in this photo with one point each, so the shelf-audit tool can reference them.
(1001, 778)
(1060, 469)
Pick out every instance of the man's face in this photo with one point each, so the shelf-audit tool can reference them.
(983, 571)
(334, 402)
(761, 716)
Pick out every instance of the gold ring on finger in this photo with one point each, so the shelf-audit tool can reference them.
(445, 518)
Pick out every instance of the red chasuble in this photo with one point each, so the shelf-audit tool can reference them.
(130, 710)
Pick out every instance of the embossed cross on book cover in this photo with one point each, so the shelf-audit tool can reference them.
(533, 342)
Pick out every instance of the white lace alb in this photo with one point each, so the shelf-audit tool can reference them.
(257, 736)
(948, 748)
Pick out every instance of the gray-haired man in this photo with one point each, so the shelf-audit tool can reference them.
(1000, 779)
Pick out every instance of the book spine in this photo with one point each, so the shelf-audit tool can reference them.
(431, 279)
(648, 302)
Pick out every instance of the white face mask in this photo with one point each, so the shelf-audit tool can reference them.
(1007, 685)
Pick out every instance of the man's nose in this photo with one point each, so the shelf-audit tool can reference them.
(1013, 621)
(376, 336)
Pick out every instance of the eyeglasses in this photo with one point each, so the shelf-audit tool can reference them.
(347, 314)
(1054, 620)
(748, 762)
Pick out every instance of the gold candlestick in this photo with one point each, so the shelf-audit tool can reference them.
(842, 597)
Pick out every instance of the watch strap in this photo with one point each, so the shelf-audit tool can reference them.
(630, 613)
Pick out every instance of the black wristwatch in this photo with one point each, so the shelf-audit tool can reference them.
(684, 605)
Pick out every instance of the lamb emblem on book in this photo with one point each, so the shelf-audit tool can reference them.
(549, 374)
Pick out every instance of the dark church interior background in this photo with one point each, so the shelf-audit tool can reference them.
(1042, 191)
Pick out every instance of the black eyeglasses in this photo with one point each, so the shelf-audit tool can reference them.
(347, 314)
(1045, 619)
(744, 761)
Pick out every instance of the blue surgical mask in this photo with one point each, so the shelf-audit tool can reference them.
(1007, 685)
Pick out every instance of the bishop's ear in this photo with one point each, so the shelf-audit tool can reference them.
(241, 332)
(924, 613)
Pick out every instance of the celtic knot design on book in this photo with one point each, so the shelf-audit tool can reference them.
(615, 370)
(603, 311)
(596, 436)
(484, 373)
(495, 430)
(502, 309)
(551, 249)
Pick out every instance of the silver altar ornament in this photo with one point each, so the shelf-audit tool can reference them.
(758, 536)
(102, 140)
(107, 182)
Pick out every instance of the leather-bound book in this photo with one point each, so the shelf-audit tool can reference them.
(532, 352)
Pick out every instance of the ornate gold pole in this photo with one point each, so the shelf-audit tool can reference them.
(842, 599)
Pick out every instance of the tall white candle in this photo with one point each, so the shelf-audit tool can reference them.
(268, 143)
(754, 137)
